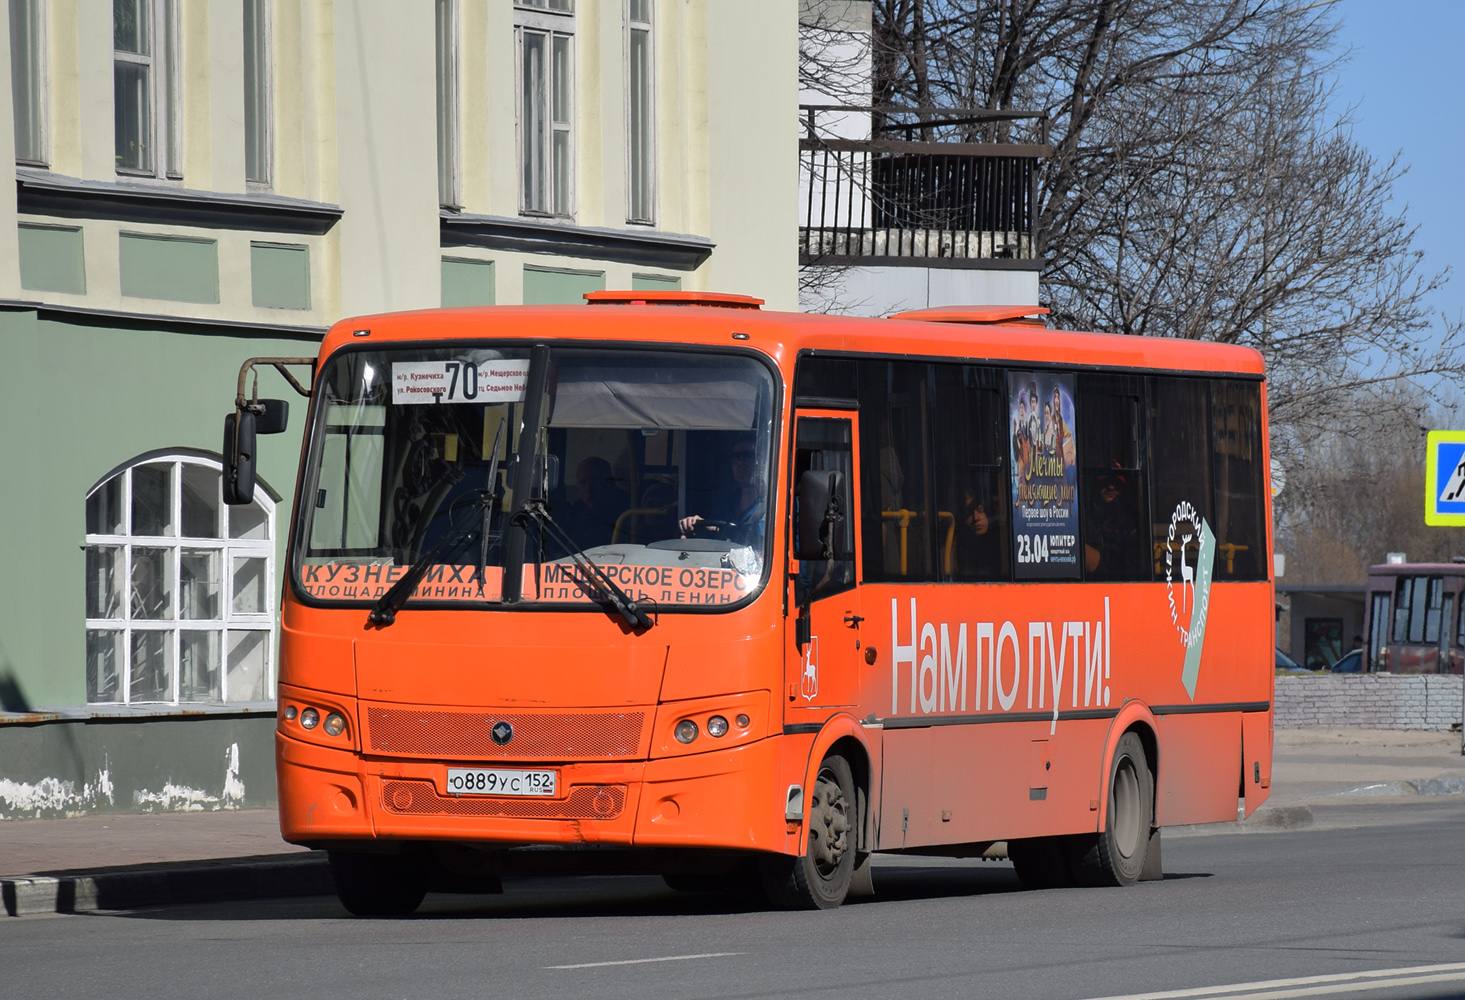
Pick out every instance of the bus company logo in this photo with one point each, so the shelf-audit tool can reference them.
(809, 679)
(501, 732)
(1185, 525)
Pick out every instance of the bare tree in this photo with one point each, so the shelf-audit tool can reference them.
(1359, 494)
(1203, 183)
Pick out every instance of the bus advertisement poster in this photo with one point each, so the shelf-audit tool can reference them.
(1044, 476)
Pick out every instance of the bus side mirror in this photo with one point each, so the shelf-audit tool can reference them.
(239, 431)
(274, 418)
(819, 499)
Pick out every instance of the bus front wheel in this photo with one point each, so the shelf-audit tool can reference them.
(378, 885)
(1116, 856)
(820, 878)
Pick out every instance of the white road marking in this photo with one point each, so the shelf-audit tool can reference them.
(644, 961)
(1305, 986)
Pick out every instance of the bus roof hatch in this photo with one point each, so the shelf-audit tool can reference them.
(978, 314)
(646, 297)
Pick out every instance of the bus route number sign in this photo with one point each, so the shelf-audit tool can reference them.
(1444, 479)
(461, 381)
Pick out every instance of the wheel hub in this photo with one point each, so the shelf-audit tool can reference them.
(828, 825)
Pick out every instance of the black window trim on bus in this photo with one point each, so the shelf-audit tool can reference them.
(1012, 364)
(310, 457)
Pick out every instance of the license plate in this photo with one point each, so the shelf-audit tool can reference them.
(498, 781)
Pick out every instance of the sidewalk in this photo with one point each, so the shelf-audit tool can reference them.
(114, 862)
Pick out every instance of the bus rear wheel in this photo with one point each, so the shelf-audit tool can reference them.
(820, 878)
(1116, 855)
(378, 885)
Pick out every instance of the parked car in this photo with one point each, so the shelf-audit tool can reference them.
(1349, 663)
(1287, 665)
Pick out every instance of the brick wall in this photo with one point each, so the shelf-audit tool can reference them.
(1369, 701)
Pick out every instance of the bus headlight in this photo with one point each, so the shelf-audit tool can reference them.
(309, 718)
(335, 724)
(686, 731)
(716, 726)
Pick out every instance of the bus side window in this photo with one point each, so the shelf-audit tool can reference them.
(1180, 488)
(1112, 518)
(972, 497)
(1236, 442)
(899, 521)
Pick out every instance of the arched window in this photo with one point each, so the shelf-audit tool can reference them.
(179, 587)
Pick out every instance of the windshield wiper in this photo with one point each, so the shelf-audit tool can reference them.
(617, 598)
(387, 606)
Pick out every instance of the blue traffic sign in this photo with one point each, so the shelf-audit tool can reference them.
(1444, 479)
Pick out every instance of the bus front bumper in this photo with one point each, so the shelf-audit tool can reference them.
(726, 799)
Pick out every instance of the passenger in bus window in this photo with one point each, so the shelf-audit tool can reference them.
(599, 503)
(739, 515)
(979, 547)
(1111, 533)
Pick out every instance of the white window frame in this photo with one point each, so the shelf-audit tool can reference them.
(227, 549)
(264, 31)
(163, 91)
(539, 19)
(39, 82)
(446, 19)
(647, 218)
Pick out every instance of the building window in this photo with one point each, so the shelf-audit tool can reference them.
(640, 115)
(257, 93)
(447, 103)
(27, 80)
(545, 30)
(179, 587)
(145, 87)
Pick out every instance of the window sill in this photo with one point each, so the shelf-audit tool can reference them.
(121, 713)
(147, 199)
(535, 234)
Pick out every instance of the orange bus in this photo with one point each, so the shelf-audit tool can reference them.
(672, 584)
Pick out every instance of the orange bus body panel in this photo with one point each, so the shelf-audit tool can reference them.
(1014, 740)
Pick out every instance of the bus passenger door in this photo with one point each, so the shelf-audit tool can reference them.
(824, 670)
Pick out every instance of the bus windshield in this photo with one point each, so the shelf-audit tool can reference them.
(653, 463)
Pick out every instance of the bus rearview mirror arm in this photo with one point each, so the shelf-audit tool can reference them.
(253, 416)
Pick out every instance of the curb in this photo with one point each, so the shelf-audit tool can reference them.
(261, 877)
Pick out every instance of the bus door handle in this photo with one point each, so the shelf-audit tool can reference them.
(853, 621)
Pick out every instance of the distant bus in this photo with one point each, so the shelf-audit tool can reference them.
(677, 585)
(1412, 618)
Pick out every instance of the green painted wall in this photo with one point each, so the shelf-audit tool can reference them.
(169, 267)
(52, 259)
(467, 282)
(159, 765)
(655, 283)
(557, 286)
(280, 275)
(83, 399)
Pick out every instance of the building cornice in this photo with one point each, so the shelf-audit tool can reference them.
(40, 192)
(649, 248)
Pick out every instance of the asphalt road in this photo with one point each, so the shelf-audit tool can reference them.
(1346, 904)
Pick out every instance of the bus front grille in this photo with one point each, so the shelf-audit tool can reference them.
(421, 798)
(547, 736)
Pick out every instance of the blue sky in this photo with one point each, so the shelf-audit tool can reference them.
(1406, 78)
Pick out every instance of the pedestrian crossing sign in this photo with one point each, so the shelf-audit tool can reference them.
(1444, 479)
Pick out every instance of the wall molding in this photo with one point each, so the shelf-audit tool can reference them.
(40, 192)
(674, 251)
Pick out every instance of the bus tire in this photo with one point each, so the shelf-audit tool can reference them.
(378, 885)
(820, 878)
(1041, 862)
(1116, 855)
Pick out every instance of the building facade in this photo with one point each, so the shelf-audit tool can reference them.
(197, 182)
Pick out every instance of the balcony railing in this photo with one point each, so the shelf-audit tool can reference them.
(933, 203)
